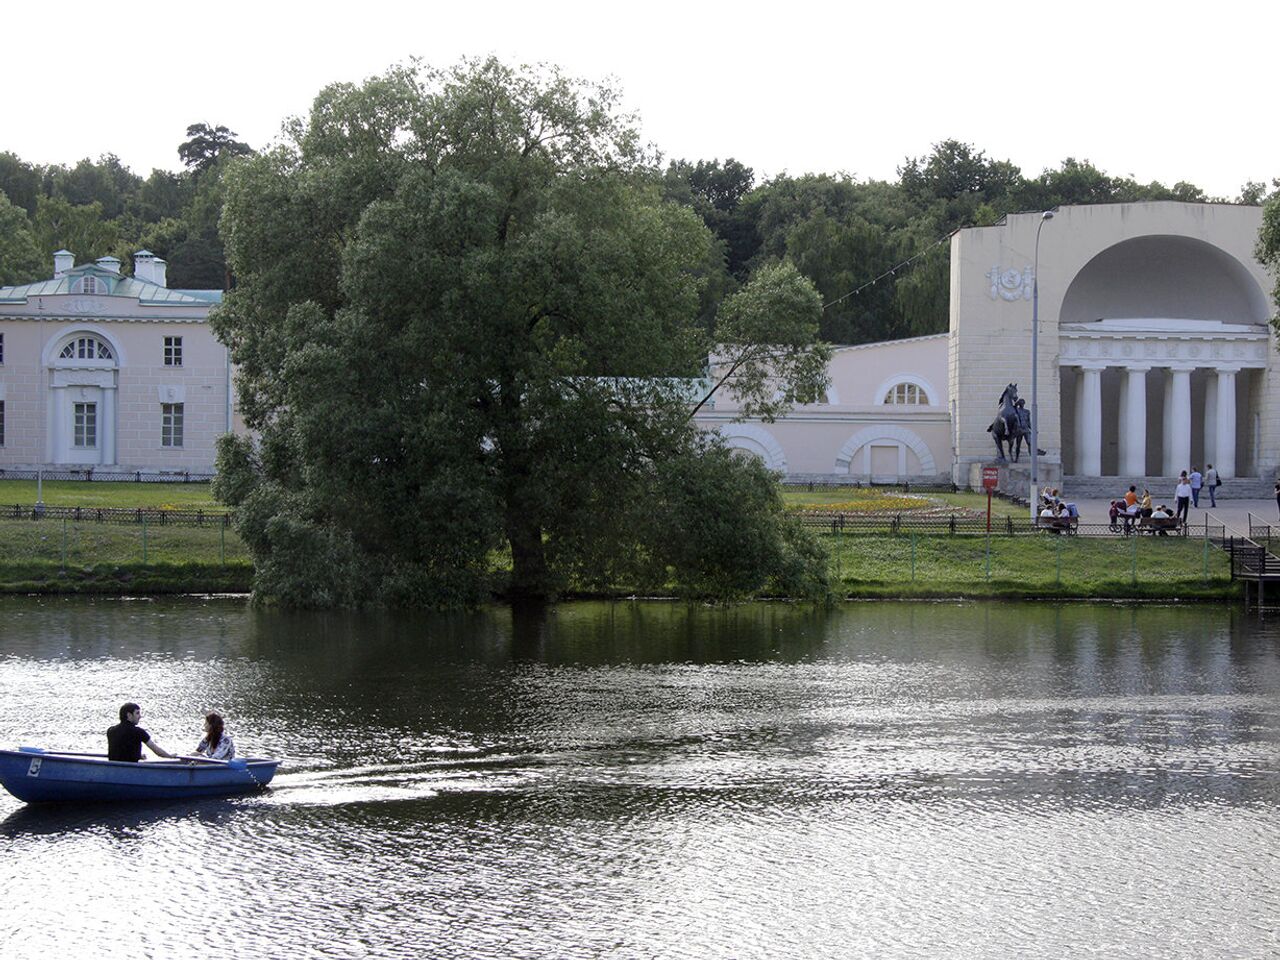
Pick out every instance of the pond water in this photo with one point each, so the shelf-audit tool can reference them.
(659, 780)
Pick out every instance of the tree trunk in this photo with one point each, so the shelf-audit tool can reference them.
(529, 579)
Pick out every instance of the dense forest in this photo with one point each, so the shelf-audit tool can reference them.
(840, 232)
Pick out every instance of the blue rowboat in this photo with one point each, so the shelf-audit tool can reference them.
(45, 776)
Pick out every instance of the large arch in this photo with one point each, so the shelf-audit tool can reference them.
(897, 436)
(80, 421)
(757, 441)
(1165, 276)
(55, 344)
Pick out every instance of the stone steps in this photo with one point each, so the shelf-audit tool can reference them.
(1104, 488)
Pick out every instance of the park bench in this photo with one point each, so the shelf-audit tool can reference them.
(1062, 524)
(1161, 525)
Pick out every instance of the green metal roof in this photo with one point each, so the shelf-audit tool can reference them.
(131, 287)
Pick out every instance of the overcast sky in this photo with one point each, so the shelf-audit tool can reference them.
(1162, 92)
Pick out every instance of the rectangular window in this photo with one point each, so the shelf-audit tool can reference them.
(1, 348)
(170, 424)
(173, 351)
(86, 428)
(1, 423)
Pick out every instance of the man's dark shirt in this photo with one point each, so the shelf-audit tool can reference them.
(125, 740)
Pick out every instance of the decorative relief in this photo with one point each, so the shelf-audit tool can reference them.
(1011, 284)
(86, 306)
(1195, 350)
(1127, 349)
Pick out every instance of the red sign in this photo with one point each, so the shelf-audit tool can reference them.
(990, 478)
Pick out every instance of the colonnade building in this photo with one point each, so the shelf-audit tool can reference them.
(1155, 354)
(1155, 348)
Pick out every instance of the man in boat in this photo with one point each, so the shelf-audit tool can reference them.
(125, 739)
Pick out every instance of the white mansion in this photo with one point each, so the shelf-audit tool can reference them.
(1155, 353)
(103, 371)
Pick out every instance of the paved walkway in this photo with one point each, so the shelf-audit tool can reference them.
(1233, 514)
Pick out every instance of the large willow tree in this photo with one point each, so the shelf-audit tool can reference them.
(466, 330)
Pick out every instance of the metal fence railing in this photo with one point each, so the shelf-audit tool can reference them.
(1263, 531)
(969, 525)
(109, 476)
(154, 516)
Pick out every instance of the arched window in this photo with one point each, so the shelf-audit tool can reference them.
(86, 348)
(89, 285)
(906, 393)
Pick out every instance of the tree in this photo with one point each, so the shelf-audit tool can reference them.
(81, 229)
(766, 354)
(20, 258)
(20, 182)
(107, 182)
(465, 322)
(955, 179)
(206, 145)
(1268, 249)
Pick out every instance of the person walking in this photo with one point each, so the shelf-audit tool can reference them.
(1183, 493)
(1197, 481)
(1278, 494)
(1211, 481)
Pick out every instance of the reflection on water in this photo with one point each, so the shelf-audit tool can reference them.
(657, 780)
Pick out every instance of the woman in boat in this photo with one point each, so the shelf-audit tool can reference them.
(216, 745)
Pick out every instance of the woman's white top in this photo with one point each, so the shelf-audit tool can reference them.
(225, 749)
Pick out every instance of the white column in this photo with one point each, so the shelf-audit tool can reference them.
(1089, 426)
(1166, 426)
(1133, 423)
(1177, 454)
(48, 445)
(1077, 427)
(1210, 423)
(1225, 461)
(107, 424)
(60, 426)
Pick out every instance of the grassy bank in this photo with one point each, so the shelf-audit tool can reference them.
(69, 557)
(1166, 568)
(55, 556)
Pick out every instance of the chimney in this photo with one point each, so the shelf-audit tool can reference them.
(147, 266)
(110, 264)
(158, 269)
(63, 261)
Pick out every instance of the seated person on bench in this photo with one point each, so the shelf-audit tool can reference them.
(1161, 518)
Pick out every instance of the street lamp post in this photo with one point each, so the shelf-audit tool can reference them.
(1035, 345)
(41, 417)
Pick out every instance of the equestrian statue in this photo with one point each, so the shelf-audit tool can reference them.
(1012, 424)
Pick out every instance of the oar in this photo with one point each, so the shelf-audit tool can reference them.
(235, 764)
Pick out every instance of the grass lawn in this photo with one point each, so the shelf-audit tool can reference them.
(58, 556)
(867, 497)
(81, 493)
(1046, 565)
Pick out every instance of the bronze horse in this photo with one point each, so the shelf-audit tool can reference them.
(1010, 425)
